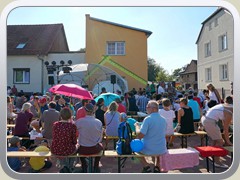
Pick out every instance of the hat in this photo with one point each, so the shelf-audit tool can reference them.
(14, 140)
(123, 116)
(42, 100)
(89, 107)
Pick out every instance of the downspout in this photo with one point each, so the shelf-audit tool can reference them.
(42, 71)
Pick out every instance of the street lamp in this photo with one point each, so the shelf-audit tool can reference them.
(51, 68)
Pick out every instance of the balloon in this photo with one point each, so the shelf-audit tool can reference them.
(136, 145)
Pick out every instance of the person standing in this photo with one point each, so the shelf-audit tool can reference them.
(14, 90)
(89, 138)
(142, 102)
(152, 132)
(160, 89)
(152, 88)
(213, 93)
(218, 112)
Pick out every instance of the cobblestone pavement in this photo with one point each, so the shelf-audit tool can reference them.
(109, 165)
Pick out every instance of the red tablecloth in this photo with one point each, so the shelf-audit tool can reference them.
(179, 159)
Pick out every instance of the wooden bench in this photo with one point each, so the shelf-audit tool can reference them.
(167, 161)
(183, 137)
(30, 154)
(202, 135)
(123, 158)
(10, 125)
(10, 136)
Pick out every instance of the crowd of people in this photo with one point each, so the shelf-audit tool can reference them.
(71, 126)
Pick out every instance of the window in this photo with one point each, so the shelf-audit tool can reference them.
(116, 48)
(222, 42)
(208, 49)
(21, 76)
(21, 45)
(223, 72)
(208, 74)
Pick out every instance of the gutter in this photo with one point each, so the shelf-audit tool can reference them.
(42, 70)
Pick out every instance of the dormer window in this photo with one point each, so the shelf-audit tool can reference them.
(21, 45)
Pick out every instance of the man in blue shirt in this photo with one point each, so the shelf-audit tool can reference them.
(152, 133)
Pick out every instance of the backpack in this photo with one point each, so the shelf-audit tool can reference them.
(124, 138)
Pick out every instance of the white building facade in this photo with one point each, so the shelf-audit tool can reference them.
(215, 52)
(29, 73)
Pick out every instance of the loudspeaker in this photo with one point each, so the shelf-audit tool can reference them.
(50, 80)
(113, 79)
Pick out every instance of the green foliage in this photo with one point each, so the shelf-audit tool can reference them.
(153, 69)
(157, 73)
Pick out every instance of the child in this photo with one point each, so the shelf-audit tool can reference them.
(14, 162)
(39, 164)
(169, 115)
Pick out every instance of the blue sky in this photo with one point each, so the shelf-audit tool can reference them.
(172, 43)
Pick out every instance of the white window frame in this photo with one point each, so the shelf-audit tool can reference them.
(118, 48)
(25, 74)
(208, 74)
(207, 49)
(223, 72)
(223, 42)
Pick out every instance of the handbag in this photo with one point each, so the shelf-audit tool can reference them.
(111, 119)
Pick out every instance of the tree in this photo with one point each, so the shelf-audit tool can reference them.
(163, 75)
(176, 72)
(153, 69)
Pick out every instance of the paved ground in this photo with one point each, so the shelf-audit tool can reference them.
(109, 165)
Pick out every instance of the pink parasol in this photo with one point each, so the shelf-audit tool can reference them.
(71, 90)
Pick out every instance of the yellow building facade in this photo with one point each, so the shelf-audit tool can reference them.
(125, 47)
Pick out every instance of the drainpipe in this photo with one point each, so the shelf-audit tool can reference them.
(42, 71)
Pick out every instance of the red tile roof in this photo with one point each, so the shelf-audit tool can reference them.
(39, 39)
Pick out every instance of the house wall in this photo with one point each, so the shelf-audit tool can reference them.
(39, 82)
(135, 59)
(31, 62)
(225, 25)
